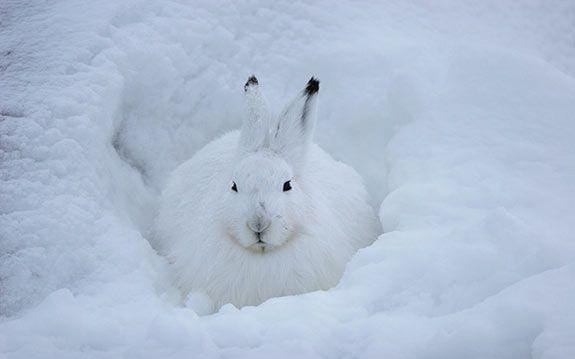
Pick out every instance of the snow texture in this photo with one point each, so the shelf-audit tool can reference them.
(458, 114)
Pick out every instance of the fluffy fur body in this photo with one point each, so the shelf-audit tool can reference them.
(257, 240)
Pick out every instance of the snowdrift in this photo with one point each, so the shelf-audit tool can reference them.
(458, 115)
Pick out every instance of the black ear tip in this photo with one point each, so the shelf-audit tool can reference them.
(312, 86)
(252, 80)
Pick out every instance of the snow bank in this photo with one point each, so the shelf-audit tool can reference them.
(458, 115)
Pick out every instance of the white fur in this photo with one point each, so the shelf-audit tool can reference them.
(313, 230)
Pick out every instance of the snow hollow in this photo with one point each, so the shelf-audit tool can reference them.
(458, 114)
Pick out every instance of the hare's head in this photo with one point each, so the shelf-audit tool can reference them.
(268, 204)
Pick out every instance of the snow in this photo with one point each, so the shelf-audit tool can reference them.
(458, 115)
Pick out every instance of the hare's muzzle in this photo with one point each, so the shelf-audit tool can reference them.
(259, 224)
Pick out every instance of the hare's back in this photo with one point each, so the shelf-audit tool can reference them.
(207, 167)
(332, 179)
(196, 183)
(338, 190)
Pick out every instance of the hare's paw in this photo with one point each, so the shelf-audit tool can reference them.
(200, 303)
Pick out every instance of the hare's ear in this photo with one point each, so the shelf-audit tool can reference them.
(293, 132)
(255, 127)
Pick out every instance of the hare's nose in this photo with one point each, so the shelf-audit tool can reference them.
(259, 224)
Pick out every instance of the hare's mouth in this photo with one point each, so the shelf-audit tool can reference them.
(261, 246)
(263, 242)
(256, 245)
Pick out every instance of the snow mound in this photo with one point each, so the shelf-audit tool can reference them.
(457, 114)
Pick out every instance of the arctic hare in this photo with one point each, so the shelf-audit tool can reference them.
(263, 212)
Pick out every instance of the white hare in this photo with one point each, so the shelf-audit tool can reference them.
(264, 212)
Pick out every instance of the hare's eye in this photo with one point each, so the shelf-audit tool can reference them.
(234, 187)
(287, 186)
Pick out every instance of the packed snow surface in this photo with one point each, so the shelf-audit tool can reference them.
(458, 114)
